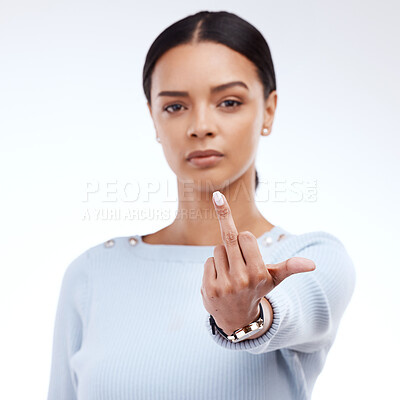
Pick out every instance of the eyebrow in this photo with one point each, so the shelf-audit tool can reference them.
(214, 89)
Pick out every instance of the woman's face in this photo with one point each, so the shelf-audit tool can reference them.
(229, 120)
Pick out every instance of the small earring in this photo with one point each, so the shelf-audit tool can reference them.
(158, 139)
(265, 131)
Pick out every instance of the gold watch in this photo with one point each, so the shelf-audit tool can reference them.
(242, 333)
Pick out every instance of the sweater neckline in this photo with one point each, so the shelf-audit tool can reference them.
(192, 253)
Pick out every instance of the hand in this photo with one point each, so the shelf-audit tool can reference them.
(236, 278)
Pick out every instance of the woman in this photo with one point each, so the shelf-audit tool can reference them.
(221, 304)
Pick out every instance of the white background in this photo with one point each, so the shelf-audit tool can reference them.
(73, 113)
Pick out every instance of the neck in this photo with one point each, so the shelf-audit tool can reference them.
(196, 222)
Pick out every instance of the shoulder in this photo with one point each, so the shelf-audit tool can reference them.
(322, 247)
(328, 252)
(301, 241)
(108, 246)
(98, 255)
(335, 271)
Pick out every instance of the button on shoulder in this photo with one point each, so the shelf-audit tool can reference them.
(109, 243)
(267, 241)
(133, 241)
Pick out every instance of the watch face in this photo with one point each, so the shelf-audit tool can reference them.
(246, 332)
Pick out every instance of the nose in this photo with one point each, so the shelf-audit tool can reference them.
(201, 122)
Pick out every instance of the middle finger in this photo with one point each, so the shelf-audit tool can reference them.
(229, 233)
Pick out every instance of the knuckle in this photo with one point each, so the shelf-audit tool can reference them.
(242, 281)
(263, 272)
(247, 235)
(228, 288)
(218, 249)
(223, 212)
(210, 260)
(211, 291)
(230, 238)
(262, 275)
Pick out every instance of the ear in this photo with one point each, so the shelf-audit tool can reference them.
(269, 109)
(149, 107)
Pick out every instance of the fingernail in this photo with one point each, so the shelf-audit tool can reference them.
(219, 200)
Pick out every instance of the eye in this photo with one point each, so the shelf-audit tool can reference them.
(172, 108)
(172, 105)
(238, 103)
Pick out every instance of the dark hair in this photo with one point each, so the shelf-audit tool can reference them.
(220, 27)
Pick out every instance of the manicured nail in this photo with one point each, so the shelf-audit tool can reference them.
(219, 200)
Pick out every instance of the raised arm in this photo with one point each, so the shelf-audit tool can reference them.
(236, 278)
(307, 308)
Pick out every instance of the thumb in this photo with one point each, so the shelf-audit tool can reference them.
(293, 265)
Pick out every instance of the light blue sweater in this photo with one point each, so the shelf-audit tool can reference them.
(131, 324)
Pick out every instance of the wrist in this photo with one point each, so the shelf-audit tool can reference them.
(229, 328)
(268, 317)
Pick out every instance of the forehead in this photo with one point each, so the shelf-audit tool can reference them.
(201, 65)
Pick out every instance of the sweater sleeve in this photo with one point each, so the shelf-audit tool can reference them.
(68, 330)
(307, 307)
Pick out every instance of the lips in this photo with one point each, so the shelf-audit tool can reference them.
(203, 153)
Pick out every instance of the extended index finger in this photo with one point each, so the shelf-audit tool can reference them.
(229, 232)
